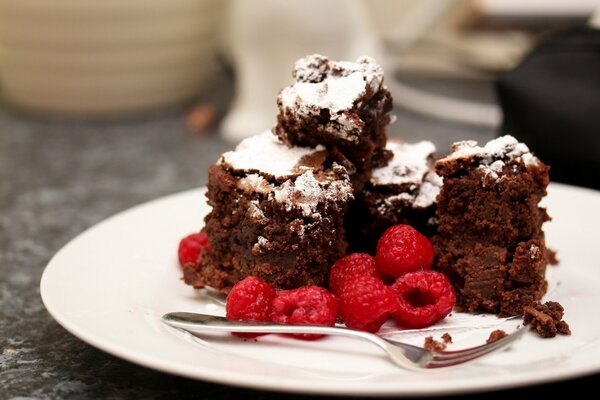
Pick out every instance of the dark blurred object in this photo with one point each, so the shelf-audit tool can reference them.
(551, 101)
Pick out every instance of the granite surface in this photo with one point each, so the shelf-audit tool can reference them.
(58, 178)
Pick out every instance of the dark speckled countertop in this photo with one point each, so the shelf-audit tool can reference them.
(58, 178)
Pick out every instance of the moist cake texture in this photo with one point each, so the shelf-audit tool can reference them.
(402, 192)
(277, 213)
(340, 105)
(489, 238)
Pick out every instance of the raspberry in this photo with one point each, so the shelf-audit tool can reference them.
(348, 267)
(305, 305)
(190, 248)
(250, 299)
(402, 249)
(366, 303)
(424, 297)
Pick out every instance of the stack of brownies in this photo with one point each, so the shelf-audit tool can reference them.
(287, 204)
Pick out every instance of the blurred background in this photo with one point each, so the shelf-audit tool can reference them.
(106, 104)
(466, 62)
(113, 60)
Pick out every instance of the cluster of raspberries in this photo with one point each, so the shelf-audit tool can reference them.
(364, 291)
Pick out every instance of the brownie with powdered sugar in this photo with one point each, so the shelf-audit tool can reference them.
(341, 105)
(489, 239)
(277, 213)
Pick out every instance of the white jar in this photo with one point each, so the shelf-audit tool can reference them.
(106, 57)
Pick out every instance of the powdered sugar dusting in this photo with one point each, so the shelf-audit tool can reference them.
(254, 183)
(255, 212)
(249, 155)
(260, 245)
(322, 84)
(298, 227)
(534, 251)
(493, 154)
(428, 191)
(306, 192)
(410, 169)
(391, 202)
(494, 169)
(334, 94)
(529, 159)
(409, 164)
(317, 68)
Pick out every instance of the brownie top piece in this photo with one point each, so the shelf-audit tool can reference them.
(266, 155)
(300, 178)
(490, 159)
(410, 171)
(325, 86)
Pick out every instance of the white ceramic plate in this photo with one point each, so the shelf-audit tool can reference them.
(110, 286)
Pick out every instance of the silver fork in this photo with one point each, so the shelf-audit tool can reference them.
(402, 354)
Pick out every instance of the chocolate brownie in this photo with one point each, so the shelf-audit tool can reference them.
(277, 213)
(402, 192)
(341, 105)
(489, 238)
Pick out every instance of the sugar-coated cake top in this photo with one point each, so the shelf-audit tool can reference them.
(493, 155)
(409, 163)
(504, 147)
(267, 154)
(286, 175)
(410, 167)
(319, 69)
(322, 84)
(305, 192)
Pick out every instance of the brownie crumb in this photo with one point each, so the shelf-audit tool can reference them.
(546, 319)
(551, 256)
(496, 335)
(433, 345)
(447, 338)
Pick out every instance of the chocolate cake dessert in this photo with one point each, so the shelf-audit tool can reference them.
(277, 213)
(401, 192)
(489, 239)
(286, 204)
(340, 105)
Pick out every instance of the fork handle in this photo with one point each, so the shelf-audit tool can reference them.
(203, 323)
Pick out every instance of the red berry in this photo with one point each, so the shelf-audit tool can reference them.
(348, 267)
(366, 303)
(250, 299)
(305, 305)
(402, 249)
(424, 297)
(190, 248)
